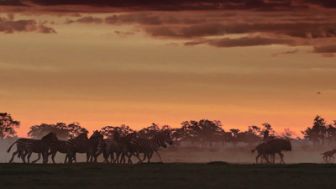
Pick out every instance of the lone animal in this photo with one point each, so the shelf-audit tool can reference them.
(20, 149)
(272, 147)
(328, 156)
(25, 147)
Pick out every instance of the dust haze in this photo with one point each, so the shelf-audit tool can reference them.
(186, 152)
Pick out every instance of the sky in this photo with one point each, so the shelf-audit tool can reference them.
(109, 62)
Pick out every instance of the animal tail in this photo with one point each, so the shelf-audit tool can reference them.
(10, 147)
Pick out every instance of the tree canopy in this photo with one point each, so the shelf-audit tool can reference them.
(201, 131)
(122, 130)
(7, 125)
(62, 130)
(320, 131)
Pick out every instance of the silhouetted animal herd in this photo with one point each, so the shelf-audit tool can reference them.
(122, 149)
(119, 149)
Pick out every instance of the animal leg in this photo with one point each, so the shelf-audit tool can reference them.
(129, 156)
(122, 158)
(150, 155)
(281, 157)
(13, 155)
(257, 158)
(38, 157)
(266, 158)
(45, 157)
(158, 154)
(53, 157)
(66, 158)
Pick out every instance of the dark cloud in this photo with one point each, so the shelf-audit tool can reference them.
(302, 30)
(325, 49)
(243, 42)
(164, 4)
(325, 3)
(180, 25)
(11, 2)
(249, 41)
(151, 19)
(183, 4)
(216, 28)
(8, 25)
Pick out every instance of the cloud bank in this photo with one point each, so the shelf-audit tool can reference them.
(251, 23)
(9, 25)
(230, 28)
(182, 4)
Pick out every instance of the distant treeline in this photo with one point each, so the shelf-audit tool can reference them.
(203, 131)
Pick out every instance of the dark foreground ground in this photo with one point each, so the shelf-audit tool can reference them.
(212, 175)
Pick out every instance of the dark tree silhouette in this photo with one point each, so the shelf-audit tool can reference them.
(7, 126)
(62, 130)
(233, 136)
(178, 135)
(203, 131)
(74, 129)
(149, 131)
(317, 133)
(287, 134)
(255, 130)
(123, 130)
(267, 131)
(331, 132)
(153, 130)
(38, 131)
(251, 136)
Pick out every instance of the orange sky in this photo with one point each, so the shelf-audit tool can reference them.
(135, 73)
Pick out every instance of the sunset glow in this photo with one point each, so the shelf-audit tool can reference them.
(108, 66)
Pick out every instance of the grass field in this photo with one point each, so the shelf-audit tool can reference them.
(211, 175)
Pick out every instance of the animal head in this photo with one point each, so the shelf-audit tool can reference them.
(82, 136)
(96, 135)
(50, 137)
